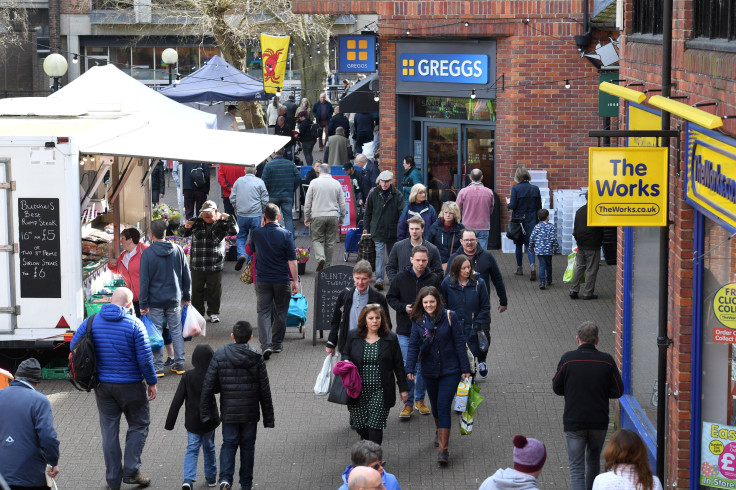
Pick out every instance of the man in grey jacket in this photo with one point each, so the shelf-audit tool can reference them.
(400, 257)
(324, 209)
(249, 198)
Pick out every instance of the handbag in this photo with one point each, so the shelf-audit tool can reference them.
(247, 275)
(322, 385)
(338, 392)
(516, 232)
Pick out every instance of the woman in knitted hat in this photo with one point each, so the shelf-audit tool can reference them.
(529, 457)
(627, 464)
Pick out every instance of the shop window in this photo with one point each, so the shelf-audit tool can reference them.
(188, 60)
(645, 302)
(120, 57)
(647, 17)
(143, 67)
(715, 19)
(455, 108)
(718, 319)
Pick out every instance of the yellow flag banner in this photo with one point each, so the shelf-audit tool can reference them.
(274, 52)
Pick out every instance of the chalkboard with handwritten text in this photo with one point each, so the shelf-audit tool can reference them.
(39, 244)
(330, 282)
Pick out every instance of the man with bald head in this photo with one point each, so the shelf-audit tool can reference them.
(365, 478)
(123, 364)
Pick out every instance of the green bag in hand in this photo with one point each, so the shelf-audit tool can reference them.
(570, 271)
(466, 419)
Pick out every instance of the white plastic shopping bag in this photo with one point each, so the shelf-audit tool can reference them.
(322, 385)
(194, 323)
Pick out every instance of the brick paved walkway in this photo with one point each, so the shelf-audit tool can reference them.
(309, 447)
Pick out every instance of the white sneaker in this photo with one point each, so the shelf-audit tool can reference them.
(214, 319)
(482, 371)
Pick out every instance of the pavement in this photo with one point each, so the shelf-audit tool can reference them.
(310, 445)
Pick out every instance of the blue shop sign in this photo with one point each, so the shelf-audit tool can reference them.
(444, 68)
(357, 54)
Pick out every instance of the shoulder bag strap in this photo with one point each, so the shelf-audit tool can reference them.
(89, 324)
(452, 242)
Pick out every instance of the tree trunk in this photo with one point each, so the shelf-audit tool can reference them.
(313, 70)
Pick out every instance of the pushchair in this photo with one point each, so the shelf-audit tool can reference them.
(351, 240)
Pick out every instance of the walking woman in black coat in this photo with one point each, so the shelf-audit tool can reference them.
(525, 202)
(375, 351)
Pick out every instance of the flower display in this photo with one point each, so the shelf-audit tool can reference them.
(302, 255)
(230, 241)
(162, 211)
(185, 242)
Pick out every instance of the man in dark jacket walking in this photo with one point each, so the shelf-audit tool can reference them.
(27, 430)
(165, 287)
(282, 179)
(350, 303)
(369, 175)
(322, 111)
(158, 181)
(238, 373)
(400, 256)
(195, 186)
(382, 213)
(401, 296)
(589, 240)
(587, 379)
(363, 130)
(123, 358)
(338, 120)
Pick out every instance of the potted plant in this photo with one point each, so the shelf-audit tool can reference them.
(302, 257)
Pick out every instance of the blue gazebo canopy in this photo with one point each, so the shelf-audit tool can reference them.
(216, 81)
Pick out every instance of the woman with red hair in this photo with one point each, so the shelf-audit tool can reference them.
(627, 464)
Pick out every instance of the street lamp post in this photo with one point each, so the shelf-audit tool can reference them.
(170, 57)
(55, 66)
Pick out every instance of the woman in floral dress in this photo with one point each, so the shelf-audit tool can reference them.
(375, 351)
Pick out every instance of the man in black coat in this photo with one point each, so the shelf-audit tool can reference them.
(587, 379)
(401, 297)
(238, 372)
(350, 303)
(291, 108)
(195, 189)
(338, 120)
(589, 240)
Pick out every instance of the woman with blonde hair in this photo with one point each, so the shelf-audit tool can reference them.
(304, 106)
(418, 206)
(446, 232)
(627, 464)
(272, 112)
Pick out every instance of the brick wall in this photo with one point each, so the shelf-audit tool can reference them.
(701, 75)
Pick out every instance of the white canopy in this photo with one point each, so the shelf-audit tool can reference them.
(106, 88)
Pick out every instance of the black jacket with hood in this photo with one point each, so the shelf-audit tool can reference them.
(404, 291)
(189, 394)
(238, 373)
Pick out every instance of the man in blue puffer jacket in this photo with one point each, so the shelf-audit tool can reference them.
(123, 362)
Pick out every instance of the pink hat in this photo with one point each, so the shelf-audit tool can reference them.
(529, 454)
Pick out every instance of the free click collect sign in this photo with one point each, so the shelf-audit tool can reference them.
(627, 187)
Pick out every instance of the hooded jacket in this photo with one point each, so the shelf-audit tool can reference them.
(389, 480)
(238, 373)
(473, 306)
(486, 266)
(509, 479)
(189, 394)
(131, 273)
(411, 178)
(381, 216)
(164, 276)
(446, 241)
(29, 440)
(446, 354)
(121, 346)
(404, 290)
(422, 209)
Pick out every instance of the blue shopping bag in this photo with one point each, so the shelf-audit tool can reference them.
(154, 336)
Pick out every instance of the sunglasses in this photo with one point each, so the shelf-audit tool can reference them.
(375, 466)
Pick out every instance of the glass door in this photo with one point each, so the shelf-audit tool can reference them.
(479, 145)
(444, 175)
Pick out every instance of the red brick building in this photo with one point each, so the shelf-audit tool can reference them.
(522, 114)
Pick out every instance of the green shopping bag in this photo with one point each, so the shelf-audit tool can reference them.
(570, 271)
(466, 419)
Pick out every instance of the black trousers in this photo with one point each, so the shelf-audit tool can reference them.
(193, 200)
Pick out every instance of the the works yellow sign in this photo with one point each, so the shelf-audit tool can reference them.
(627, 187)
(710, 174)
(642, 117)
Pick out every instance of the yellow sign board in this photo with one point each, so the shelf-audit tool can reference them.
(724, 305)
(643, 118)
(627, 187)
(710, 174)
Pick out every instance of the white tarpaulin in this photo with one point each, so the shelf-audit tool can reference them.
(106, 88)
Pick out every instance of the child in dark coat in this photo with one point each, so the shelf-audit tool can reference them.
(199, 434)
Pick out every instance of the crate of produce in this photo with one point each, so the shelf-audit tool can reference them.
(55, 370)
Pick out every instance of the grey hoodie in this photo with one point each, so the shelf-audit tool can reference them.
(509, 479)
(164, 276)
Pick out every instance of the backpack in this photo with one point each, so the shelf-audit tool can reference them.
(316, 130)
(83, 361)
(198, 179)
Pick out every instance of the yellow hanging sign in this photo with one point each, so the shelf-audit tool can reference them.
(274, 52)
(627, 187)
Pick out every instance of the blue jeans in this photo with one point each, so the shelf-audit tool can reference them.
(520, 253)
(383, 249)
(308, 149)
(245, 224)
(207, 443)
(441, 391)
(114, 400)
(584, 454)
(416, 387)
(173, 321)
(545, 269)
(482, 238)
(285, 204)
(244, 436)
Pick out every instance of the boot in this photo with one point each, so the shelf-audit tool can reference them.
(436, 440)
(375, 435)
(519, 272)
(363, 433)
(443, 454)
(533, 276)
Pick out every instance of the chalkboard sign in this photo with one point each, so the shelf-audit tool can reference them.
(330, 283)
(39, 243)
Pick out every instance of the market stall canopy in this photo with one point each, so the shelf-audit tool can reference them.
(360, 96)
(106, 88)
(216, 81)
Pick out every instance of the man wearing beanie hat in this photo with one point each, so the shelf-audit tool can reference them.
(27, 432)
(529, 457)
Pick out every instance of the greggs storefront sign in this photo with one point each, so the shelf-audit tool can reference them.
(444, 67)
(710, 174)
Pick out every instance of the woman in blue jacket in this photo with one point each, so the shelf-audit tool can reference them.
(418, 206)
(525, 201)
(467, 294)
(446, 232)
(438, 342)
